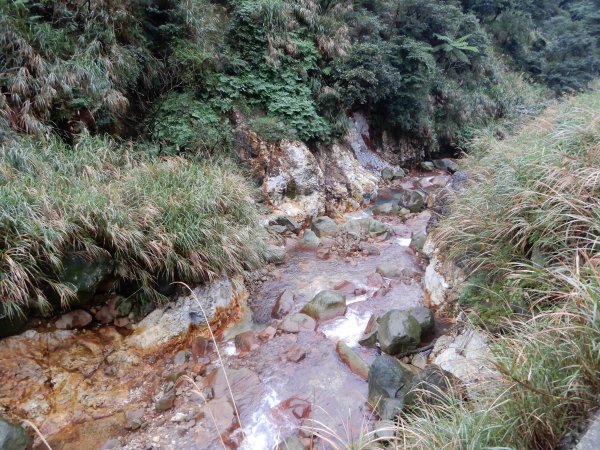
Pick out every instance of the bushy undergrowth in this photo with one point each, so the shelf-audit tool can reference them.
(159, 219)
(531, 223)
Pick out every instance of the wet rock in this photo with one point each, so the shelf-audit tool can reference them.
(392, 270)
(324, 226)
(425, 318)
(398, 173)
(246, 342)
(298, 322)
(427, 165)
(352, 360)
(12, 324)
(85, 274)
(166, 402)
(389, 381)
(309, 241)
(134, 419)
(370, 249)
(326, 305)
(375, 280)
(284, 304)
(13, 437)
(296, 354)
(121, 322)
(222, 414)
(285, 221)
(200, 347)
(431, 385)
(398, 332)
(418, 241)
(274, 254)
(385, 209)
(378, 229)
(412, 199)
(291, 443)
(323, 253)
(74, 319)
(345, 287)
(369, 339)
(298, 407)
(446, 164)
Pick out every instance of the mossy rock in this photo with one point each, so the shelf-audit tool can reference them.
(85, 274)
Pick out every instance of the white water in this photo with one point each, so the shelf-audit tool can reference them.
(404, 242)
(262, 433)
(349, 328)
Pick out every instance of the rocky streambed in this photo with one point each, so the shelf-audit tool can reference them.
(298, 352)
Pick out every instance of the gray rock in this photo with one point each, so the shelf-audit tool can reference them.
(369, 339)
(74, 319)
(398, 174)
(427, 165)
(412, 199)
(287, 222)
(389, 381)
(246, 341)
(13, 437)
(324, 226)
(398, 332)
(134, 419)
(446, 164)
(85, 275)
(431, 385)
(284, 304)
(181, 357)
(591, 438)
(295, 323)
(385, 208)
(391, 270)
(11, 324)
(387, 173)
(378, 229)
(425, 318)
(166, 402)
(277, 229)
(326, 305)
(309, 240)
(274, 254)
(417, 241)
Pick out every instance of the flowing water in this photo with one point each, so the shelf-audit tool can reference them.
(76, 384)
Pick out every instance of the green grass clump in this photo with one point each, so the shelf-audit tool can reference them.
(159, 219)
(528, 230)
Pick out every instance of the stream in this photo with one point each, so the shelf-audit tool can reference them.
(85, 390)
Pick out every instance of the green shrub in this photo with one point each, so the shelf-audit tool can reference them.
(158, 218)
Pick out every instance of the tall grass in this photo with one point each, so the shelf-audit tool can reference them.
(530, 223)
(159, 219)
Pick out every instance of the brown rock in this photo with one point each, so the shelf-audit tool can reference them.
(345, 287)
(221, 413)
(134, 419)
(166, 402)
(298, 407)
(246, 342)
(267, 334)
(352, 360)
(296, 354)
(74, 319)
(375, 280)
(284, 304)
(200, 347)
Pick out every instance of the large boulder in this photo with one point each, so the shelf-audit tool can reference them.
(326, 305)
(431, 386)
(324, 226)
(13, 437)
(424, 316)
(389, 380)
(398, 332)
(10, 324)
(412, 199)
(85, 275)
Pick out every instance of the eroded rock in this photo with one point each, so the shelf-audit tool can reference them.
(326, 305)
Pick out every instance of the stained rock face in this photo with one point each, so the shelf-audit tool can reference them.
(326, 305)
(398, 332)
(162, 325)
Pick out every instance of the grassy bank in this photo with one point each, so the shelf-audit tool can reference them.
(528, 229)
(157, 219)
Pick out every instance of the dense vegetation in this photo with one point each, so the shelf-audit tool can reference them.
(528, 229)
(162, 78)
